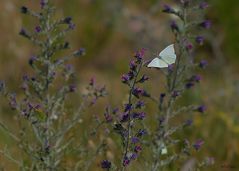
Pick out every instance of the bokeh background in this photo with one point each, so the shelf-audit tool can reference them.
(111, 30)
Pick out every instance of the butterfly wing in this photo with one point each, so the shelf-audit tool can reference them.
(157, 63)
(168, 55)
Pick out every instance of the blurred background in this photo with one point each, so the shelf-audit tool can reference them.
(111, 31)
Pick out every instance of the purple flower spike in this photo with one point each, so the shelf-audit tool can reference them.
(197, 145)
(206, 24)
(199, 40)
(105, 164)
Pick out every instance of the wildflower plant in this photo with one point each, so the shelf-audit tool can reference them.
(44, 110)
(180, 78)
(46, 91)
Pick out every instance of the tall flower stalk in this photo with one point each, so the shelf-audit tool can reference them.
(180, 78)
(46, 92)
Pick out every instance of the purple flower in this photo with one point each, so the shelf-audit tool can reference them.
(24, 9)
(197, 145)
(206, 24)
(189, 47)
(125, 78)
(126, 162)
(38, 29)
(174, 26)
(105, 164)
(203, 63)
(196, 78)
(167, 9)
(141, 132)
(132, 65)
(133, 156)
(203, 5)
(139, 105)
(201, 108)
(115, 110)
(139, 115)
(137, 148)
(199, 40)
(137, 92)
(143, 79)
(140, 54)
(124, 117)
(134, 140)
(128, 107)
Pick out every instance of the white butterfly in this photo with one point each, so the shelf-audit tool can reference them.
(166, 58)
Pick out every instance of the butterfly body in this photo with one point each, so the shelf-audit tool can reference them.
(166, 57)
